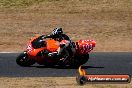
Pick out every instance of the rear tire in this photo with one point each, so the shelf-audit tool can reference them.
(79, 60)
(84, 59)
(24, 61)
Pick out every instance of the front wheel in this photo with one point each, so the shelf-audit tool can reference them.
(24, 61)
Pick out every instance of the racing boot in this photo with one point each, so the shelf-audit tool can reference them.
(58, 53)
(53, 54)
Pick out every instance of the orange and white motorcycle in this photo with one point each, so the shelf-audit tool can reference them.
(38, 49)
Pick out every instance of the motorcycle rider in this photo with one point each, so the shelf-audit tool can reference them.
(57, 34)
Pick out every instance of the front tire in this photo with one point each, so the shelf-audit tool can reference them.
(24, 61)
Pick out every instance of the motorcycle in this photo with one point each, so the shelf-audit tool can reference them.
(38, 49)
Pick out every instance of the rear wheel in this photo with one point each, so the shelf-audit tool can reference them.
(23, 60)
(84, 59)
(79, 60)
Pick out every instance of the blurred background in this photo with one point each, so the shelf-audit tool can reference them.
(108, 22)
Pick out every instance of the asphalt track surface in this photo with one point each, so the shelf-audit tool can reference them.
(99, 63)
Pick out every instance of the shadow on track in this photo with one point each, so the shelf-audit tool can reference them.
(87, 67)
(67, 67)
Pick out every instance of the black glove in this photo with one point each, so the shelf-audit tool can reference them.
(46, 36)
(42, 36)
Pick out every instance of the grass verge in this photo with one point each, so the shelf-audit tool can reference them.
(52, 82)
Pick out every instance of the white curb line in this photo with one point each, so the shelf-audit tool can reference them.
(10, 52)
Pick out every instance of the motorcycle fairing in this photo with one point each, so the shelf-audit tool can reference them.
(52, 45)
